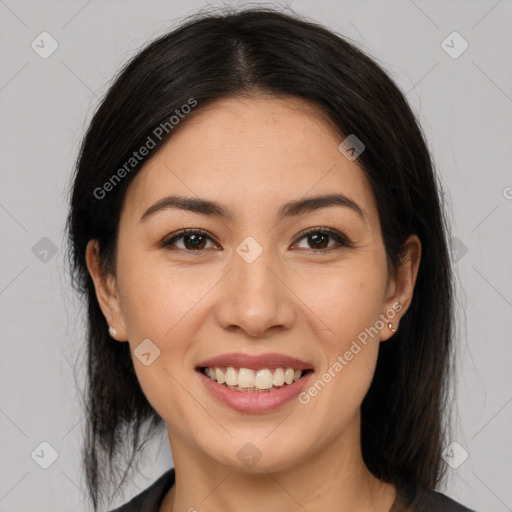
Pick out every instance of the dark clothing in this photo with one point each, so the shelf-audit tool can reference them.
(407, 500)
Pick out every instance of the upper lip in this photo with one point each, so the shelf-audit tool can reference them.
(270, 361)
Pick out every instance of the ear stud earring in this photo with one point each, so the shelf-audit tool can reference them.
(111, 331)
(390, 327)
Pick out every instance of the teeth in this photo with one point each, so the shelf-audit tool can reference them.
(231, 376)
(246, 379)
(278, 377)
(263, 379)
(219, 376)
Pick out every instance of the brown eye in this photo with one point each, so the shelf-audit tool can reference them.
(318, 239)
(193, 240)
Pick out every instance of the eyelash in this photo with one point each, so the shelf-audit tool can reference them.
(338, 237)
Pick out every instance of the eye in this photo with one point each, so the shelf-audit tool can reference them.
(319, 238)
(194, 240)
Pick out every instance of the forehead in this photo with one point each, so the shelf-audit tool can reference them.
(251, 153)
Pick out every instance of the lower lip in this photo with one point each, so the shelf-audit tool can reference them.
(254, 402)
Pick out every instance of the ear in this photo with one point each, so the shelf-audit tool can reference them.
(400, 287)
(106, 291)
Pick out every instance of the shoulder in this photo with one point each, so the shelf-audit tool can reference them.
(424, 500)
(150, 499)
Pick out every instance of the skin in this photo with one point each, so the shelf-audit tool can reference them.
(253, 155)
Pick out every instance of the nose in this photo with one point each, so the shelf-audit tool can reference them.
(255, 298)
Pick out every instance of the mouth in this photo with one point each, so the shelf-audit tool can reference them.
(249, 380)
(254, 384)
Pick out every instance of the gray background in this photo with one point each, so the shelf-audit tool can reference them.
(464, 105)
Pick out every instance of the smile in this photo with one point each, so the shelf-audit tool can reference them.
(253, 381)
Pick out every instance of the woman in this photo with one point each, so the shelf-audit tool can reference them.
(256, 226)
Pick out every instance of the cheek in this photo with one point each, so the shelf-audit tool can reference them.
(349, 357)
(348, 300)
(162, 306)
(347, 305)
(158, 299)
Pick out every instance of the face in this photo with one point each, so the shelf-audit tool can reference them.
(263, 272)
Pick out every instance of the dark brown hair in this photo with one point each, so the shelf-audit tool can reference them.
(261, 50)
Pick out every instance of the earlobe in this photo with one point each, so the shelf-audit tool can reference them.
(390, 326)
(106, 292)
(401, 288)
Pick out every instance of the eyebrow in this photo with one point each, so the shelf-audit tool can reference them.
(215, 209)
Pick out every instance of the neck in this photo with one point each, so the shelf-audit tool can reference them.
(333, 478)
